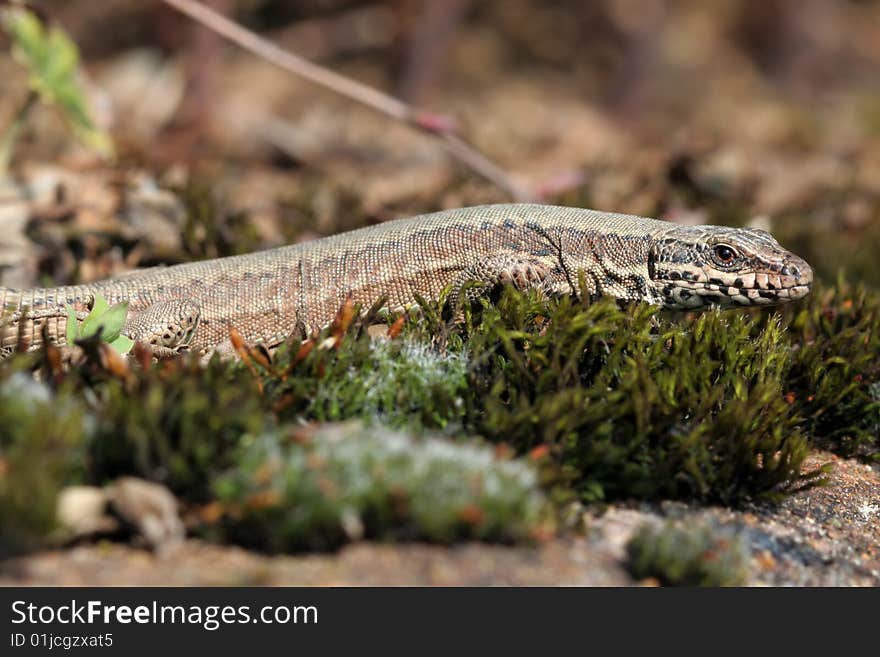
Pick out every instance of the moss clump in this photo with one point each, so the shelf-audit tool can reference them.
(688, 556)
(41, 440)
(637, 405)
(177, 423)
(834, 380)
(399, 382)
(317, 488)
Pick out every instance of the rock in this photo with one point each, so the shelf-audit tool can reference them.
(82, 511)
(149, 508)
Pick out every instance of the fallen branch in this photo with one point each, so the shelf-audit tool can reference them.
(439, 126)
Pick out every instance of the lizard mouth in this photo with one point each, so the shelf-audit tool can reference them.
(790, 282)
(697, 296)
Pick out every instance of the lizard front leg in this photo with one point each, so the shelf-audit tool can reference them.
(521, 270)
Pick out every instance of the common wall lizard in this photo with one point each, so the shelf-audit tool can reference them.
(271, 294)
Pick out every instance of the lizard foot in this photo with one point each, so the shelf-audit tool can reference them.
(167, 326)
(480, 278)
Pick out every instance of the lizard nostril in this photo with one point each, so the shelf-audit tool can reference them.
(799, 270)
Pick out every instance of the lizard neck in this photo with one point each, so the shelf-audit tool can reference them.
(611, 264)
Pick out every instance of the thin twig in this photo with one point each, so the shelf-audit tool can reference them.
(436, 125)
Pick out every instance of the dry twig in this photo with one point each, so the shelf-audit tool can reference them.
(437, 125)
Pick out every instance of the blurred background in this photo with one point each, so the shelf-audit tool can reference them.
(738, 112)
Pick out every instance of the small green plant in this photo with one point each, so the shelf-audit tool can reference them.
(688, 556)
(104, 319)
(52, 61)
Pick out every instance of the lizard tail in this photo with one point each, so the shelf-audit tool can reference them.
(23, 313)
(10, 308)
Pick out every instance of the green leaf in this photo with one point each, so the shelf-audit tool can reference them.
(110, 321)
(99, 305)
(90, 326)
(52, 60)
(72, 331)
(122, 344)
(113, 321)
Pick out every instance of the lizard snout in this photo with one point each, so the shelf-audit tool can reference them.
(796, 276)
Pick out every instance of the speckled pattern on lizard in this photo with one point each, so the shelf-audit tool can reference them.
(267, 296)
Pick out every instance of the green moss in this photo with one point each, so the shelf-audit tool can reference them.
(318, 488)
(638, 405)
(177, 423)
(834, 380)
(41, 445)
(400, 382)
(688, 556)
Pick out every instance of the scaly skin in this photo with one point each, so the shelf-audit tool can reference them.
(269, 295)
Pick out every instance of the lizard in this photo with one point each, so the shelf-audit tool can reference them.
(270, 295)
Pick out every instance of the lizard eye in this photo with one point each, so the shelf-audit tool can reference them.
(725, 254)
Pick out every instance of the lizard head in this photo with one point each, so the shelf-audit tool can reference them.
(697, 266)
